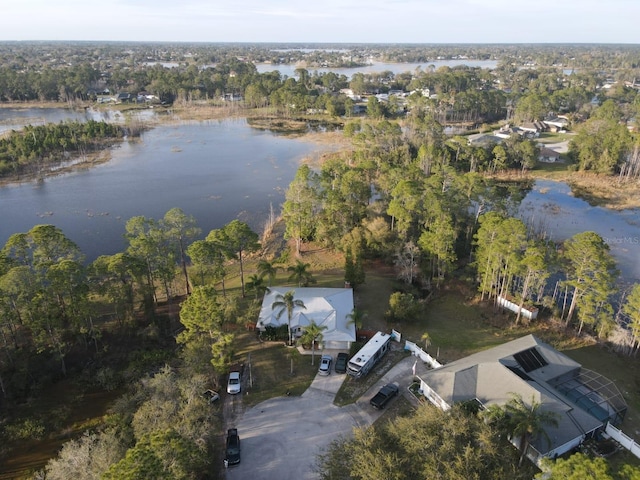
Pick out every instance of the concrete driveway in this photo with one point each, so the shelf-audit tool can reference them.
(281, 437)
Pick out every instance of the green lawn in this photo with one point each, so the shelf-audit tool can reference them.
(272, 368)
(551, 137)
(458, 325)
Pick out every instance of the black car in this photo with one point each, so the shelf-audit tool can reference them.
(383, 396)
(232, 455)
(341, 363)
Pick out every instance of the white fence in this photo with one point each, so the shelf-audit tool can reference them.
(527, 312)
(424, 356)
(623, 439)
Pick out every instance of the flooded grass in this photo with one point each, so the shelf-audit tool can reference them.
(598, 190)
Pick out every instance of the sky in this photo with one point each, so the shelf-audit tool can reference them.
(326, 21)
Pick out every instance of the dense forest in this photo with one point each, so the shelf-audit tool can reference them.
(406, 196)
(37, 147)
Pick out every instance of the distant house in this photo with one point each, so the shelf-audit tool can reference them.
(557, 124)
(231, 97)
(583, 401)
(484, 139)
(548, 155)
(105, 99)
(533, 128)
(124, 97)
(145, 96)
(528, 130)
(327, 307)
(506, 131)
(350, 94)
(359, 108)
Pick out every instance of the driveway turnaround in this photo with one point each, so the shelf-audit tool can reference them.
(281, 437)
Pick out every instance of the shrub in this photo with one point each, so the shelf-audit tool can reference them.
(28, 428)
(275, 333)
(402, 307)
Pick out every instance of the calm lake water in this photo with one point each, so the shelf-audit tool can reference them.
(215, 171)
(221, 170)
(17, 118)
(378, 67)
(552, 208)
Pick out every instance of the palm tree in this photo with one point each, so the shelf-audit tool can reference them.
(356, 317)
(268, 270)
(426, 338)
(313, 333)
(527, 421)
(286, 303)
(256, 284)
(300, 274)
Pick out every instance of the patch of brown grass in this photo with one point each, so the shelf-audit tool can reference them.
(605, 191)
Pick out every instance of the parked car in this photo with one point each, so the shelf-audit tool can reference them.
(341, 363)
(232, 454)
(386, 393)
(233, 385)
(325, 365)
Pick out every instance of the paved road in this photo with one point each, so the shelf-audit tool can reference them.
(282, 436)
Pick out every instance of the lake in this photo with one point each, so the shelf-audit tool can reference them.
(17, 118)
(221, 170)
(216, 171)
(551, 208)
(377, 67)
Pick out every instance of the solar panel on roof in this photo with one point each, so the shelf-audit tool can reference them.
(530, 359)
(520, 373)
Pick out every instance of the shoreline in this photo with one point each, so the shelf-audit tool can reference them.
(93, 159)
(605, 192)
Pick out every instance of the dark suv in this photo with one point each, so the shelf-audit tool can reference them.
(233, 447)
(341, 363)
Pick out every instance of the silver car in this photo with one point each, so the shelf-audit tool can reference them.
(233, 385)
(325, 365)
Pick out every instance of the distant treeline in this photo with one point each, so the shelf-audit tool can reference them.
(37, 146)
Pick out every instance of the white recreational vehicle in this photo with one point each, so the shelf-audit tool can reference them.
(368, 355)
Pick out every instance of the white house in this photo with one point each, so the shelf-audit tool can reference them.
(558, 123)
(328, 307)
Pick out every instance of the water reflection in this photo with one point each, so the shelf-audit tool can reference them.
(552, 209)
(215, 171)
(377, 67)
(17, 118)
(220, 170)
